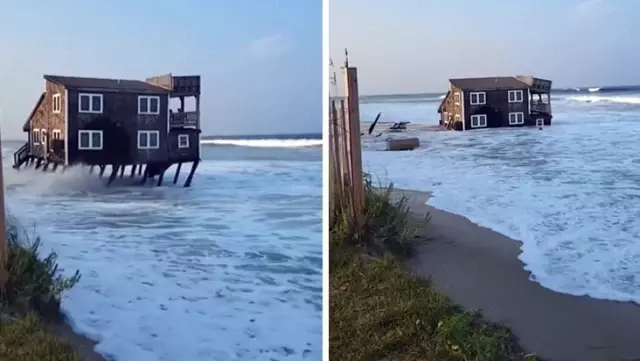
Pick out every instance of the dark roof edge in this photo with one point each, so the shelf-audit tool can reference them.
(25, 127)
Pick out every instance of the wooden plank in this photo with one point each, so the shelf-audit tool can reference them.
(355, 147)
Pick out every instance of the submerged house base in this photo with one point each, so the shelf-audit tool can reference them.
(114, 122)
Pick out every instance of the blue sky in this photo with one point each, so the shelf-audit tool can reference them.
(413, 46)
(260, 61)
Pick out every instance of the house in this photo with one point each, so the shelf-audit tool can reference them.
(516, 101)
(114, 122)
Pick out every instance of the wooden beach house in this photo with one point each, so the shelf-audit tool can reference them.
(514, 101)
(114, 122)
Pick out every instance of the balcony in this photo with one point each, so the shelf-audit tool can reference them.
(184, 119)
(540, 107)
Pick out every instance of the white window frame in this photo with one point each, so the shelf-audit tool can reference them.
(148, 98)
(513, 118)
(518, 96)
(477, 96)
(456, 117)
(56, 103)
(481, 121)
(183, 136)
(43, 134)
(456, 97)
(56, 134)
(36, 136)
(540, 122)
(91, 96)
(90, 133)
(148, 133)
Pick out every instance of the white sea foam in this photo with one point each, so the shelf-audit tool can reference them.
(266, 143)
(570, 192)
(624, 99)
(229, 269)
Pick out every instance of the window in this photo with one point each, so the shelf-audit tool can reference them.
(90, 103)
(516, 96)
(516, 118)
(457, 117)
(183, 140)
(43, 136)
(56, 134)
(90, 139)
(540, 122)
(148, 104)
(478, 121)
(478, 98)
(456, 98)
(36, 136)
(148, 139)
(57, 105)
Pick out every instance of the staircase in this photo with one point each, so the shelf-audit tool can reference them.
(21, 156)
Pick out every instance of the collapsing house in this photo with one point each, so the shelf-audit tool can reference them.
(114, 122)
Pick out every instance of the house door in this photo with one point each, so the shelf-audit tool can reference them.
(540, 122)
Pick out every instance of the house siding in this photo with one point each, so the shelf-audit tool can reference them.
(497, 108)
(120, 123)
(45, 119)
(192, 153)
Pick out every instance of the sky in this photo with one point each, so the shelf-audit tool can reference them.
(260, 61)
(415, 46)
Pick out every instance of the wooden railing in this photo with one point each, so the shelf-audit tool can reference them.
(20, 155)
(184, 119)
(540, 107)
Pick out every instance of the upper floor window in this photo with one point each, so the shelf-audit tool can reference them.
(90, 103)
(56, 134)
(90, 139)
(148, 104)
(478, 98)
(57, 104)
(456, 98)
(516, 96)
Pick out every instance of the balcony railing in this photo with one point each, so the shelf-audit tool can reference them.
(540, 107)
(185, 119)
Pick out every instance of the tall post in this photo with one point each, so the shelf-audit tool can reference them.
(198, 111)
(4, 244)
(351, 94)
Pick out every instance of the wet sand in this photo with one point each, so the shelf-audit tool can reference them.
(479, 269)
(83, 345)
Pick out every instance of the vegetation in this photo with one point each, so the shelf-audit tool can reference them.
(378, 311)
(32, 295)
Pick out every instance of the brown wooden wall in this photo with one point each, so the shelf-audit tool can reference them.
(497, 108)
(45, 119)
(120, 123)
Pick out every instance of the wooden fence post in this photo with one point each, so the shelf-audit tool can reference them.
(4, 247)
(355, 147)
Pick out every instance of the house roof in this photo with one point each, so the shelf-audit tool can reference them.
(122, 85)
(443, 101)
(489, 83)
(25, 127)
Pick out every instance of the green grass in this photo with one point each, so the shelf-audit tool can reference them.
(378, 311)
(32, 292)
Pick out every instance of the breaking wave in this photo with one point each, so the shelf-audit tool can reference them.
(623, 99)
(265, 143)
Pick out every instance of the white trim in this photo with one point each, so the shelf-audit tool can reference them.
(515, 94)
(54, 132)
(148, 99)
(90, 133)
(540, 122)
(44, 133)
(478, 94)
(148, 133)
(168, 113)
(183, 136)
(91, 96)
(481, 119)
(56, 100)
(516, 118)
(456, 98)
(529, 100)
(464, 119)
(35, 134)
(66, 127)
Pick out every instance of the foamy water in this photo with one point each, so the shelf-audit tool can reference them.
(569, 192)
(229, 269)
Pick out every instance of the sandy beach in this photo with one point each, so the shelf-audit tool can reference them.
(83, 345)
(479, 269)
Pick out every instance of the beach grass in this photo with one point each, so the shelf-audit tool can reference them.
(379, 311)
(30, 299)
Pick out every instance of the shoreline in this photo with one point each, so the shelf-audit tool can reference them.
(479, 268)
(83, 345)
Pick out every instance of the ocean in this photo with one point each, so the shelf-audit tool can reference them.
(569, 192)
(228, 269)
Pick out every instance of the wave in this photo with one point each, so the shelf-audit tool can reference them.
(622, 99)
(265, 143)
(602, 89)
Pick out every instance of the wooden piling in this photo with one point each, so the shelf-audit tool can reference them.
(122, 171)
(114, 173)
(187, 183)
(175, 177)
(102, 168)
(133, 170)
